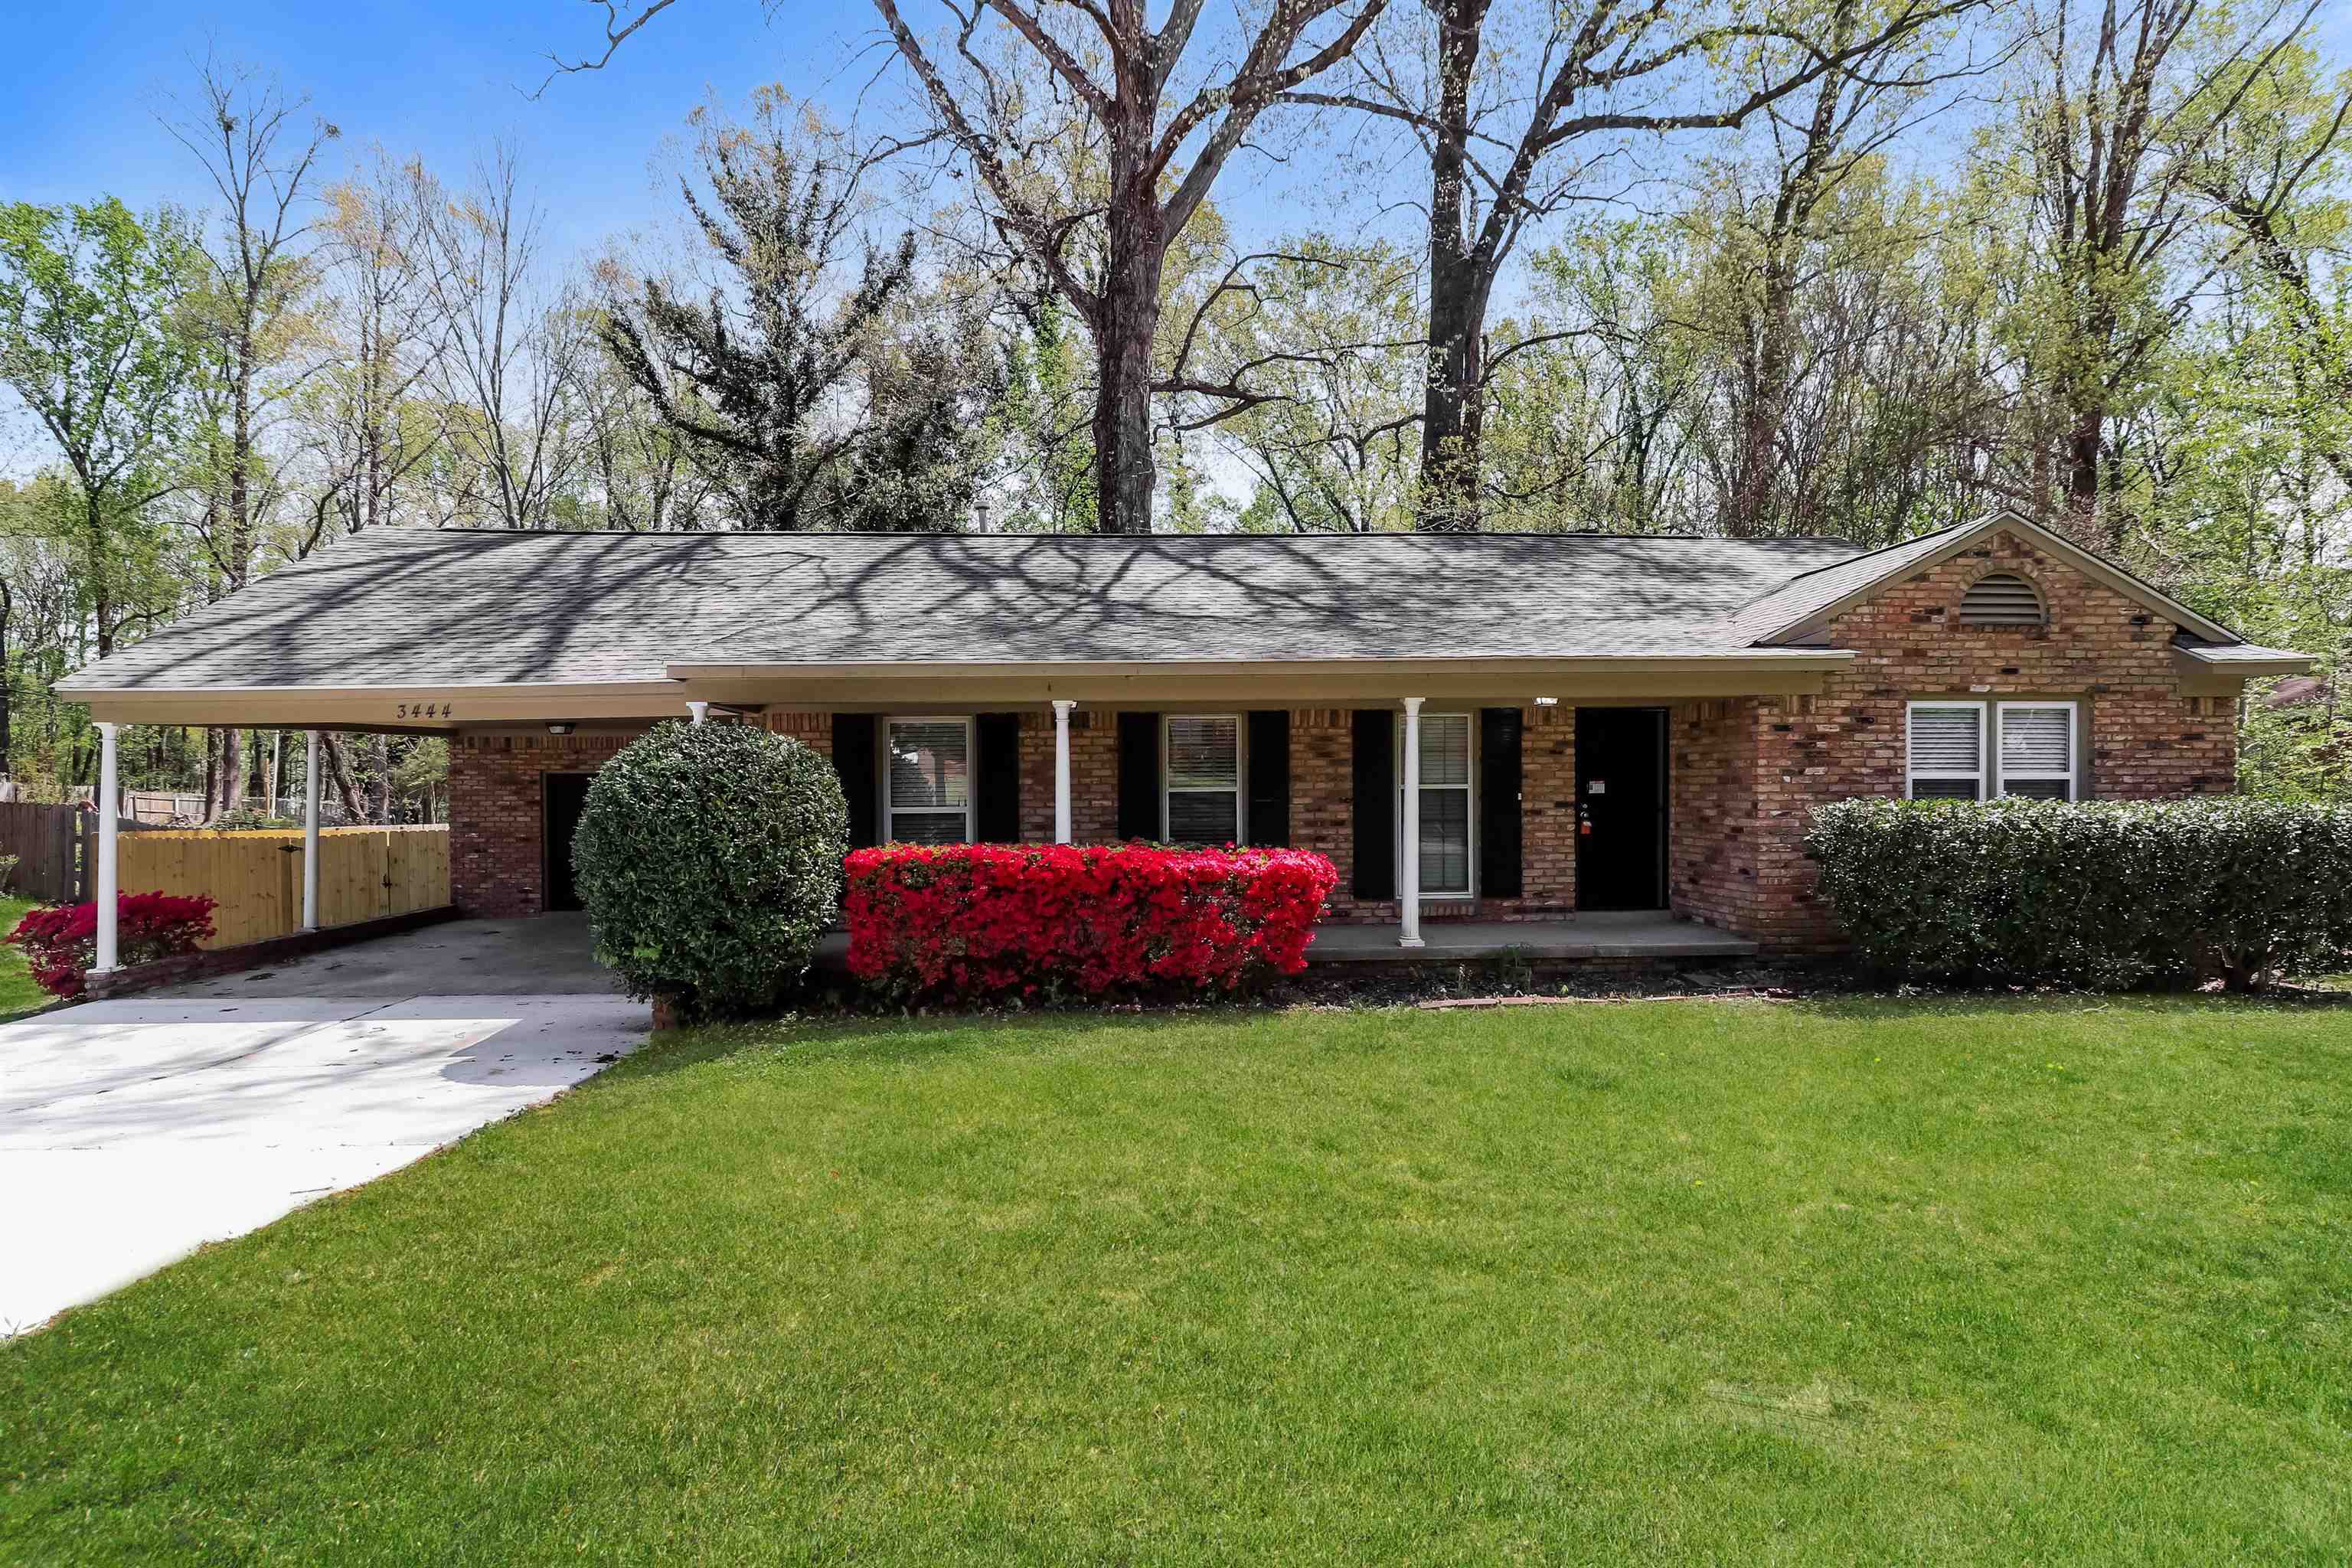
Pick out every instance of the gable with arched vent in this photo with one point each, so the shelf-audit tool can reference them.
(2002, 599)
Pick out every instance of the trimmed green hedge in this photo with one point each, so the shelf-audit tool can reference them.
(709, 857)
(2105, 895)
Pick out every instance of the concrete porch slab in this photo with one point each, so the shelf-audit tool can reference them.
(1630, 934)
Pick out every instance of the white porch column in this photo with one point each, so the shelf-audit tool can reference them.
(311, 830)
(702, 711)
(109, 802)
(1061, 706)
(1409, 855)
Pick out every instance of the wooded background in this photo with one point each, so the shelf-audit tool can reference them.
(1861, 267)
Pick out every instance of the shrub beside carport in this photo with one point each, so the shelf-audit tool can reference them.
(709, 859)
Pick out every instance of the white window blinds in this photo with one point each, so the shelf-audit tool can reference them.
(1204, 778)
(2032, 748)
(930, 781)
(2037, 749)
(1946, 751)
(1444, 847)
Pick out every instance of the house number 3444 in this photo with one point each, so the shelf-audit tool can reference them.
(424, 711)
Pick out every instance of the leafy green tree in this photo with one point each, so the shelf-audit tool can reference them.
(93, 339)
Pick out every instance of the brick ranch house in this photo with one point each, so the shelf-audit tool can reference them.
(1561, 723)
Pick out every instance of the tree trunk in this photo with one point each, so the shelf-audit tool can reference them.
(340, 773)
(384, 779)
(1454, 397)
(2084, 445)
(1124, 472)
(8, 686)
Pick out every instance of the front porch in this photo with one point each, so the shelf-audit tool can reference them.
(1612, 933)
(1631, 935)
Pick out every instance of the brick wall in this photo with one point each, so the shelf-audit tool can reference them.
(814, 730)
(496, 805)
(1747, 772)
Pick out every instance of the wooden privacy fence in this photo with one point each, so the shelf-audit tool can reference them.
(257, 876)
(56, 848)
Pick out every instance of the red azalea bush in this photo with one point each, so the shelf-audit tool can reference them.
(61, 943)
(980, 920)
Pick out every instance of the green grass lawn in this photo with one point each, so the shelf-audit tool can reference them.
(1954, 1280)
(18, 995)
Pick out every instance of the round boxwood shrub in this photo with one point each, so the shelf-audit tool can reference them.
(709, 857)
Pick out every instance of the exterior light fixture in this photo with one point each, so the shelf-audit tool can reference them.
(559, 726)
(1546, 702)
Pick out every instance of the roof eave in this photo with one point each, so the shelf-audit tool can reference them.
(1795, 658)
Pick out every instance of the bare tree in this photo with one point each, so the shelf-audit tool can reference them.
(513, 352)
(244, 132)
(372, 430)
(1145, 202)
(2130, 101)
(1504, 153)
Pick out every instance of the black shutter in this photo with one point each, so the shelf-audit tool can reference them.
(1139, 775)
(1269, 778)
(1375, 802)
(854, 748)
(1498, 803)
(996, 805)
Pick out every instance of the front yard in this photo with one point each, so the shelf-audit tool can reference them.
(1667, 1282)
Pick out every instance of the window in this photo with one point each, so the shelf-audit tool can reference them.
(2031, 747)
(929, 783)
(2037, 749)
(2002, 599)
(1445, 847)
(1203, 755)
(1946, 751)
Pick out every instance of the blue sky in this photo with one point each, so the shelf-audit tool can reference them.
(439, 77)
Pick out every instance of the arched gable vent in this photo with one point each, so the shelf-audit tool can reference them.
(2002, 599)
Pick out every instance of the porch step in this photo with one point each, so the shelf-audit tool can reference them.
(1638, 935)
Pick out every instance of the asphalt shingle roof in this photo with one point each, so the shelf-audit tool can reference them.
(1801, 598)
(399, 607)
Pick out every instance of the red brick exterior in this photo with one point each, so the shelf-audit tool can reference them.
(1743, 772)
(496, 812)
(1747, 771)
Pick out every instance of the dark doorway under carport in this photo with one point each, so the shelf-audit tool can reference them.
(563, 796)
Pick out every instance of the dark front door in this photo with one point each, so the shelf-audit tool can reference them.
(565, 793)
(1621, 808)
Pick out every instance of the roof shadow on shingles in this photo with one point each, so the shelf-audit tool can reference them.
(465, 607)
(1078, 594)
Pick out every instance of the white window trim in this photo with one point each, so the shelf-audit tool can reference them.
(1988, 777)
(2073, 774)
(1474, 788)
(1241, 775)
(892, 812)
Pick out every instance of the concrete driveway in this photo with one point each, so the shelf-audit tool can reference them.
(133, 1132)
